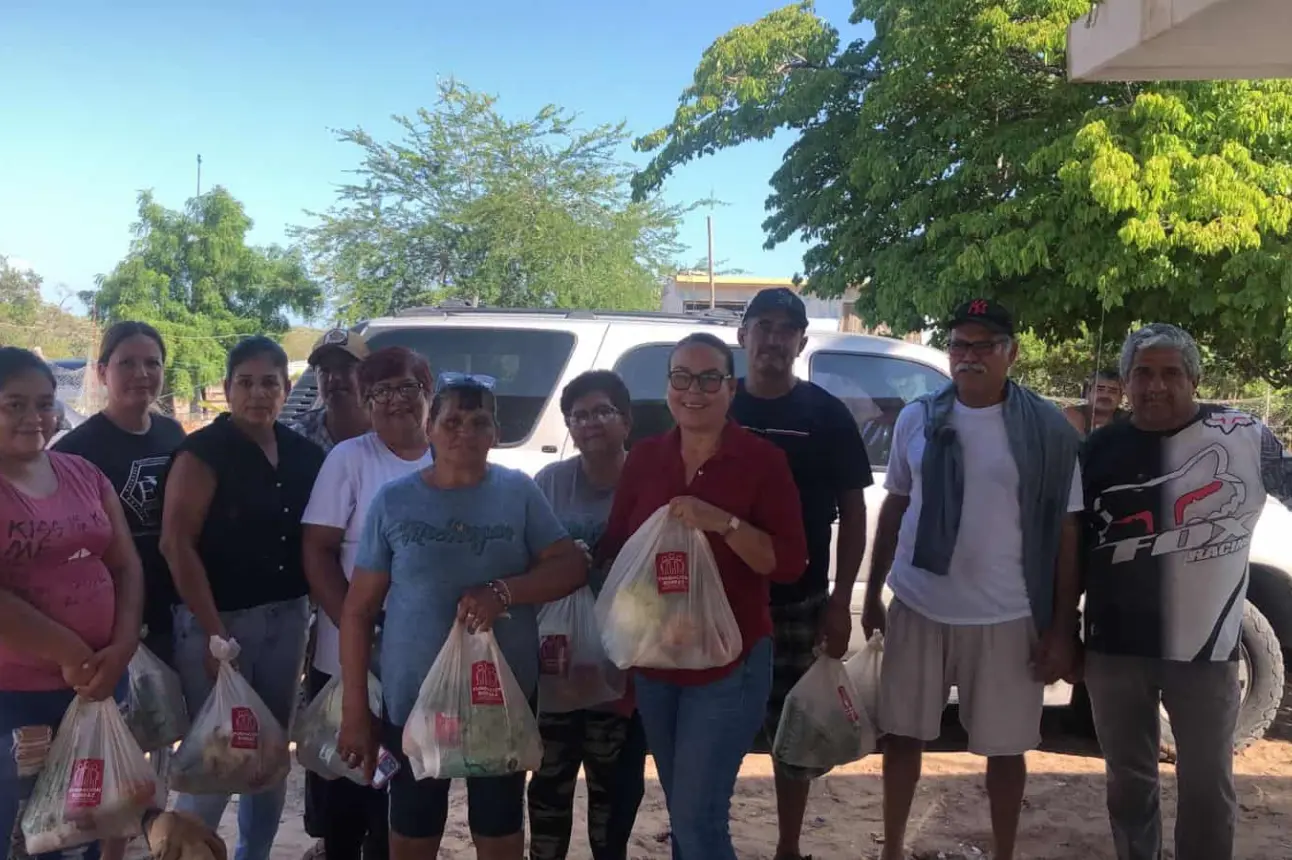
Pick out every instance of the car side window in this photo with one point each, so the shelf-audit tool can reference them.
(645, 371)
(526, 364)
(874, 388)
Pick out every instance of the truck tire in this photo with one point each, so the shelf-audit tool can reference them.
(1262, 656)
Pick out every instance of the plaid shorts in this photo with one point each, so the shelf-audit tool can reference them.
(796, 629)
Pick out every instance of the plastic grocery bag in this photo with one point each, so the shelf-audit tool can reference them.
(471, 718)
(823, 724)
(156, 715)
(235, 745)
(574, 671)
(864, 668)
(96, 782)
(317, 727)
(663, 605)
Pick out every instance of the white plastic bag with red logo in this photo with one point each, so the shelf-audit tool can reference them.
(471, 717)
(96, 782)
(663, 605)
(823, 722)
(574, 671)
(235, 745)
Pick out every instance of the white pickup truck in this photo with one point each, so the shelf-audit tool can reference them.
(533, 354)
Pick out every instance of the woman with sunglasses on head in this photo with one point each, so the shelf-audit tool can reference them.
(71, 585)
(461, 540)
(231, 534)
(395, 385)
(606, 741)
(738, 490)
(132, 444)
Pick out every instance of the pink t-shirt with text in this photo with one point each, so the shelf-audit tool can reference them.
(51, 555)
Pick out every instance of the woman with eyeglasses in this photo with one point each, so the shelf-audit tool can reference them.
(395, 385)
(231, 533)
(737, 488)
(606, 741)
(460, 540)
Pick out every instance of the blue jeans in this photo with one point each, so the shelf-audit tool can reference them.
(272, 639)
(699, 736)
(28, 722)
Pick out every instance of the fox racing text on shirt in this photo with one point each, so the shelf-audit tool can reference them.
(1169, 523)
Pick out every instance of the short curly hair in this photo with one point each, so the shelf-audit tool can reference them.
(390, 363)
(605, 382)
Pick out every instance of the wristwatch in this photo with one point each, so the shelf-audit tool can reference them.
(732, 525)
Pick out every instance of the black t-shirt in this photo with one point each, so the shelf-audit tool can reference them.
(251, 540)
(828, 458)
(136, 464)
(1169, 521)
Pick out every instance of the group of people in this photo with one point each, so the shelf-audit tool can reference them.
(381, 509)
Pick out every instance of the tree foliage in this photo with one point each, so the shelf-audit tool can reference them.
(28, 321)
(192, 274)
(469, 204)
(949, 157)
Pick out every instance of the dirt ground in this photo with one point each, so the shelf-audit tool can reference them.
(1063, 816)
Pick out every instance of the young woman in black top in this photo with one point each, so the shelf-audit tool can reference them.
(132, 445)
(231, 532)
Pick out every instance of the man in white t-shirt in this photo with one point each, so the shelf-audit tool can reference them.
(977, 539)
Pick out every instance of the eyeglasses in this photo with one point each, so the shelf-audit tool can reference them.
(404, 391)
(457, 379)
(710, 381)
(977, 347)
(596, 415)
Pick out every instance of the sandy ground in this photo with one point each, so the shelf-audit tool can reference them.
(1063, 816)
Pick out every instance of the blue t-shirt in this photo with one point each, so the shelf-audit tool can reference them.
(435, 544)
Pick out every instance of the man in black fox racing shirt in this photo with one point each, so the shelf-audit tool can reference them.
(1172, 497)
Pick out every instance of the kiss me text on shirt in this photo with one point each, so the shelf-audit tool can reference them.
(27, 540)
(454, 532)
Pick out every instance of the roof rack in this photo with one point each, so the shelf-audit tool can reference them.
(716, 316)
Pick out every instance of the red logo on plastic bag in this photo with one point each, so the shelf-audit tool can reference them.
(448, 730)
(554, 655)
(849, 710)
(246, 729)
(672, 573)
(85, 791)
(486, 689)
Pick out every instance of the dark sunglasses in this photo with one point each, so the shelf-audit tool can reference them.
(456, 379)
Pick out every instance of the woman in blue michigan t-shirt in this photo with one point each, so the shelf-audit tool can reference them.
(464, 539)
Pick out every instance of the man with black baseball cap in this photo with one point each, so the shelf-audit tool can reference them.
(335, 359)
(821, 439)
(978, 541)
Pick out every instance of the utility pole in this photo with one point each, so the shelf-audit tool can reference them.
(199, 175)
(713, 290)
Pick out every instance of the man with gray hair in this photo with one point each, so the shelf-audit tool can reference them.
(1172, 496)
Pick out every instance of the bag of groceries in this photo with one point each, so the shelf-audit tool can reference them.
(96, 782)
(822, 725)
(317, 727)
(574, 671)
(156, 715)
(235, 745)
(864, 668)
(663, 605)
(471, 717)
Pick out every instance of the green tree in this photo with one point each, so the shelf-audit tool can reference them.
(19, 298)
(469, 204)
(28, 321)
(949, 157)
(192, 274)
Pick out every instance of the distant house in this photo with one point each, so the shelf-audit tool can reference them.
(689, 291)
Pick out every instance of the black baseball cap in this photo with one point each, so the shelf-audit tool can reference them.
(777, 299)
(986, 313)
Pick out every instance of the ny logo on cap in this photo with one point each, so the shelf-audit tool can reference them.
(978, 307)
(336, 336)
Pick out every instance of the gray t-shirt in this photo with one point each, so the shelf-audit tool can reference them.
(581, 507)
(437, 543)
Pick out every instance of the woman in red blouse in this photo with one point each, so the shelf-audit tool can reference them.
(737, 488)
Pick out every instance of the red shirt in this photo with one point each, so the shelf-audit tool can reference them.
(748, 478)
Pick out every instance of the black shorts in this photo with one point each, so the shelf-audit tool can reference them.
(419, 809)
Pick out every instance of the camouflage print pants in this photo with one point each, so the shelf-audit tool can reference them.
(611, 749)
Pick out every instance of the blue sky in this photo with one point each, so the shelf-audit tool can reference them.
(106, 97)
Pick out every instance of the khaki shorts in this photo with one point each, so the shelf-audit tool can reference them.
(989, 664)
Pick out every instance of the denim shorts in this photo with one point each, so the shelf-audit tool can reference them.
(28, 721)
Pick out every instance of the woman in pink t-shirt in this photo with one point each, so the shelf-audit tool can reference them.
(71, 586)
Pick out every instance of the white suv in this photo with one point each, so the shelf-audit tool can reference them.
(533, 354)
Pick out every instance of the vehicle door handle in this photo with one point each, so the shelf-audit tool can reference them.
(549, 449)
